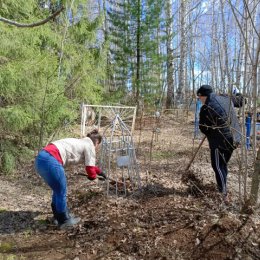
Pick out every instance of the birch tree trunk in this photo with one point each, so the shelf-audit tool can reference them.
(256, 175)
(169, 47)
(214, 70)
(183, 49)
(254, 73)
(225, 50)
(255, 180)
(250, 32)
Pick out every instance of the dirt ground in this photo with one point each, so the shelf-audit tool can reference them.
(171, 217)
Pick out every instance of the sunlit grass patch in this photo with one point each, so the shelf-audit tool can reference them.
(6, 247)
(163, 154)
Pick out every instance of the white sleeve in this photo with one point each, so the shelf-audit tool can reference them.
(90, 156)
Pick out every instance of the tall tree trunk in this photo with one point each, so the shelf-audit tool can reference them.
(225, 49)
(248, 32)
(183, 50)
(169, 46)
(138, 52)
(213, 47)
(255, 180)
(255, 70)
(256, 175)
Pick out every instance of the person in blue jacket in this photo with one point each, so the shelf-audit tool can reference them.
(218, 121)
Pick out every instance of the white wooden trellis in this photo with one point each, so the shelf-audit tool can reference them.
(91, 116)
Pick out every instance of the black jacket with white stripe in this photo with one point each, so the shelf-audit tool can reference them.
(218, 121)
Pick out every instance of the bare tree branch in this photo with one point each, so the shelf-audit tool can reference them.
(251, 19)
(32, 24)
(241, 30)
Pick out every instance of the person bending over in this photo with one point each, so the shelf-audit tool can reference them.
(50, 164)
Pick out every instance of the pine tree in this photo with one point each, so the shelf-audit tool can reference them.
(136, 39)
(46, 72)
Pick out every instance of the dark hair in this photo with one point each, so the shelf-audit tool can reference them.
(204, 90)
(95, 136)
(239, 100)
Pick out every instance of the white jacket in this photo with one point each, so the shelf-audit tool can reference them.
(74, 151)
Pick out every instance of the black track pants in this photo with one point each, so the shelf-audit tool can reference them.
(219, 161)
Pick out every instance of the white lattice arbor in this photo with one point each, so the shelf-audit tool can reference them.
(99, 115)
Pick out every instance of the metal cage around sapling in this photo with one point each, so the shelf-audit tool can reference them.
(118, 159)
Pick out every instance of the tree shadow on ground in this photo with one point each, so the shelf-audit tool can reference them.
(193, 187)
(158, 190)
(18, 221)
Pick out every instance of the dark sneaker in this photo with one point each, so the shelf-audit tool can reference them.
(56, 215)
(72, 221)
(66, 220)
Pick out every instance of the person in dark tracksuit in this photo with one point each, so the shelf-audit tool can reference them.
(218, 121)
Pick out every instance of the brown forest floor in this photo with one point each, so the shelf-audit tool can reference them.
(169, 219)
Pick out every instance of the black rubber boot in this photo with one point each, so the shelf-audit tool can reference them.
(65, 220)
(54, 212)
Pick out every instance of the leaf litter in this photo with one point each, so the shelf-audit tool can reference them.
(176, 215)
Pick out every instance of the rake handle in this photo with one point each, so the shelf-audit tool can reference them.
(112, 181)
(194, 155)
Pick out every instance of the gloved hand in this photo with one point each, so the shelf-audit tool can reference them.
(90, 178)
(102, 176)
(85, 175)
(92, 172)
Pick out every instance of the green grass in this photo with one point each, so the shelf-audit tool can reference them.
(5, 247)
(163, 155)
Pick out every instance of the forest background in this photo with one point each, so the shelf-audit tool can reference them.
(56, 55)
(152, 54)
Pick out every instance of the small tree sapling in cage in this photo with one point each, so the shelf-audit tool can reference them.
(118, 159)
